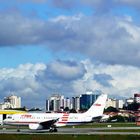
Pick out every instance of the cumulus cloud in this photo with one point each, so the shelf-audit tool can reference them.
(18, 30)
(66, 70)
(103, 79)
(21, 81)
(104, 38)
(123, 79)
(35, 82)
(60, 75)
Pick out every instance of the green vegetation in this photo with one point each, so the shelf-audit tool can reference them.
(134, 106)
(90, 125)
(111, 109)
(96, 125)
(119, 118)
(120, 130)
(68, 137)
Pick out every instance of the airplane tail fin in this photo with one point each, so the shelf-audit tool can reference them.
(97, 108)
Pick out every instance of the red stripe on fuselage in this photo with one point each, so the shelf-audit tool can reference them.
(65, 117)
(65, 114)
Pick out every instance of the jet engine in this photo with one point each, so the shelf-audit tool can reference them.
(35, 126)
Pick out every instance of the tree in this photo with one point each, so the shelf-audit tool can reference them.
(134, 106)
(66, 109)
(111, 109)
(117, 118)
(73, 111)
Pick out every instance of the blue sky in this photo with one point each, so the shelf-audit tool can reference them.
(68, 47)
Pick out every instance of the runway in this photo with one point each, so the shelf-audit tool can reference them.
(76, 131)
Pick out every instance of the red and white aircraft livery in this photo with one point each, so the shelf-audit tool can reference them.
(40, 121)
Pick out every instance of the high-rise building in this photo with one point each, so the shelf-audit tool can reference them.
(111, 103)
(55, 103)
(137, 97)
(75, 103)
(15, 101)
(119, 104)
(5, 105)
(67, 103)
(86, 100)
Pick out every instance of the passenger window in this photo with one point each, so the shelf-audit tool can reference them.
(9, 117)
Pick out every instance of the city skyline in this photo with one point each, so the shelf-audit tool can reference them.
(58, 102)
(69, 46)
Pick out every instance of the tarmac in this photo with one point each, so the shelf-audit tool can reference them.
(76, 131)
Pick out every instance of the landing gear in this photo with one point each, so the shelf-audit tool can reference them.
(53, 129)
(18, 129)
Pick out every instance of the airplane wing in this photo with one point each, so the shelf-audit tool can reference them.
(43, 125)
(48, 124)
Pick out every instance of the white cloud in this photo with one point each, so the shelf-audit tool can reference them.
(34, 83)
(124, 78)
(22, 71)
(104, 38)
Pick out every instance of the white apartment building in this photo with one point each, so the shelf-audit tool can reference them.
(111, 102)
(5, 105)
(15, 101)
(11, 102)
(119, 104)
(75, 103)
(67, 103)
(55, 102)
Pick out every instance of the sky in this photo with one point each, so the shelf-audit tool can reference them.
(69, 47)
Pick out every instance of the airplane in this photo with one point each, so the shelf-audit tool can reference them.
(51, 121)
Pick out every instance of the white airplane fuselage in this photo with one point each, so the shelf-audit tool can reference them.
(38, 121)
(63, 118)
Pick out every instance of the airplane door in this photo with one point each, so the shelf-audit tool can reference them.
(4, 116)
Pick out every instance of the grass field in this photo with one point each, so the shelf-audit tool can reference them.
(91, 125)
(76, 136)
(96, 125)
(129, 130)
(69, 137)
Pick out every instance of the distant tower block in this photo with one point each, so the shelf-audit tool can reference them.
(137, 97)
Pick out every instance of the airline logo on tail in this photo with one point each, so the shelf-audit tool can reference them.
(97, 104)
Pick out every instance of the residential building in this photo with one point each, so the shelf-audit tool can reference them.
(119, 104)
(11, 102)
(15, 101)
(137, 97)
(55, 103)
(75, 103)
(5, 105)
(111, 102)
(129, 101)
(67, 103)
